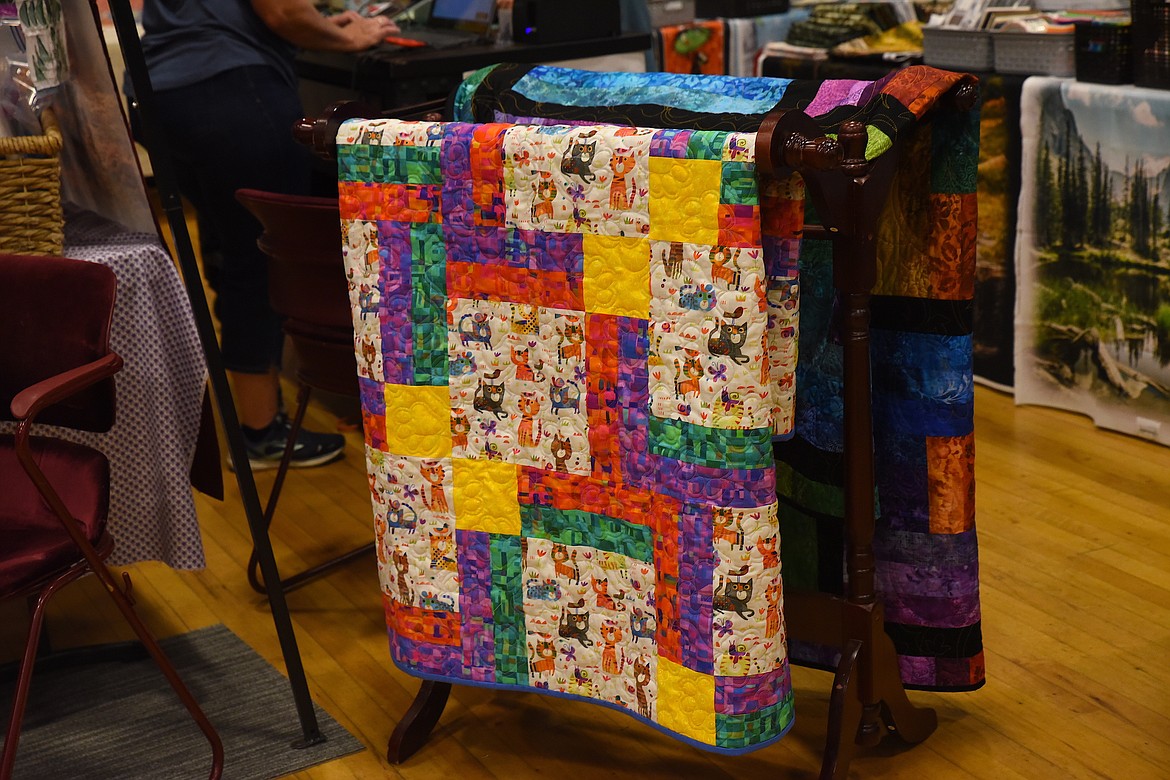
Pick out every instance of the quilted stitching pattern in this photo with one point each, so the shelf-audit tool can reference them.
(576, 345)
(921, 324)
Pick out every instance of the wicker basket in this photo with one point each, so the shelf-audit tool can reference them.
(956, 49)
(1043, 54)
(31, 221)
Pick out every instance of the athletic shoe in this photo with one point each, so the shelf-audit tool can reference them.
(311, 448)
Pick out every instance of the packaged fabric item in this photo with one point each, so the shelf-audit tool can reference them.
(834, 23)
(899, 43)
(746, 37)
(43, 26)
(692, 48)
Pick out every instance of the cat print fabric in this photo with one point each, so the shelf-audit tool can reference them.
(576, 345)
(517, 376)
(566, 182)
(921, 328)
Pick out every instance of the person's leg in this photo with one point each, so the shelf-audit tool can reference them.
(231, 132)
(257, 398)
(224, 133)
(636, 19)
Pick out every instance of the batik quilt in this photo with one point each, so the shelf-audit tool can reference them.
(576, 345)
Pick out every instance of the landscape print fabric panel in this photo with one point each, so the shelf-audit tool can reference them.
(576, 345)
(1093, 258)
(923, 317)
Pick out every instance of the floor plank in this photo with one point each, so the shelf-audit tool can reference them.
(1075, 544)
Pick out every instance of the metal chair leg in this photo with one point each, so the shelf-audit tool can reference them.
(27, 662)
(168, 669)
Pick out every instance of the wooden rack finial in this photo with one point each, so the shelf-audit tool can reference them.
(788, 138)
(853, 138)
(320, 133)
(963, 97)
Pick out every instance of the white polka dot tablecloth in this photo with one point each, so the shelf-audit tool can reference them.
(160, 393)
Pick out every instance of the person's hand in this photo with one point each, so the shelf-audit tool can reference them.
(344, 18)
(363, 32)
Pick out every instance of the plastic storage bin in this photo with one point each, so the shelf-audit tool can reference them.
(1046, 54)
(956, 49)
(1151, 43)
(1103, 53)
(710, 9)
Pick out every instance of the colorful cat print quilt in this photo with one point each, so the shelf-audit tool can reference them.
(926, 548)
(576, 345)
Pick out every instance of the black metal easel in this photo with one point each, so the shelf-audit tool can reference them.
(172, 205)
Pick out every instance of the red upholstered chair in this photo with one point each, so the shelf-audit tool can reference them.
(308, 288)
(56, 368)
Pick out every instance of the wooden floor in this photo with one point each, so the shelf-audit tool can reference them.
(1074, 527)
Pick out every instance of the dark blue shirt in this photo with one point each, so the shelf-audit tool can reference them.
(188, 41)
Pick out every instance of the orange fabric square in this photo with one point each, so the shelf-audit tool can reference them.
(952, 248)
(950, 463)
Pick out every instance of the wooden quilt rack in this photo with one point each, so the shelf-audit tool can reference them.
(868, 700)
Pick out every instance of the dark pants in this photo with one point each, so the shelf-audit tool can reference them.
(229, 132)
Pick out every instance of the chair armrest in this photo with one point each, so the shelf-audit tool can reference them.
(30, 401)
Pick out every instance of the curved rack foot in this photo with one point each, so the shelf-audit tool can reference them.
(416, 725)
(844, 717)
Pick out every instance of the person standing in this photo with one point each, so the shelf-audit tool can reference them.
(226, 98)
(636, 19)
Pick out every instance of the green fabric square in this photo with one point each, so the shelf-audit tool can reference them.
(578, 527)
(737, 186)
(706, 145)
(508, 610)
(740, 731)
(373, 164)
(420, 164)
(731, 448)
(428, 280)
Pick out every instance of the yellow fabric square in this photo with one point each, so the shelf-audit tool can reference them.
(617, 275)
(684, 200)
(418, 421)
(686, 701)
(485, 496)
